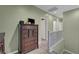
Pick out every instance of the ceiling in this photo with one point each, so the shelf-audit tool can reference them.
(57, 10)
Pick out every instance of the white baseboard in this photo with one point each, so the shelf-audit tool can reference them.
(13, 52)
(68, 51)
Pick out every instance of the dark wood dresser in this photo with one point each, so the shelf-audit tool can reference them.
(2, 43)
(28, 35)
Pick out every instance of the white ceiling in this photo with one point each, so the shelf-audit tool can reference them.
(57, 9)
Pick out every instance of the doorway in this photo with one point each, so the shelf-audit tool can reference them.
(43, 38)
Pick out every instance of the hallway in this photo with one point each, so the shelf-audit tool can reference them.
(43, 48)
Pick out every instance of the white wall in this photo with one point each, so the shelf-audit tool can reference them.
(57, 25)
(71, 30)
(9, 18)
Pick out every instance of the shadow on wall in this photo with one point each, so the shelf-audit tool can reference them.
(14, 41)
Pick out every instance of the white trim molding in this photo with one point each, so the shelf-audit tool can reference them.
(68, 51)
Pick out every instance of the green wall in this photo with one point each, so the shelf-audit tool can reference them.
(9, 18)
(51, 18)
(71, 30)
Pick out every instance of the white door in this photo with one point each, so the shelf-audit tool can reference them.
(43, 29)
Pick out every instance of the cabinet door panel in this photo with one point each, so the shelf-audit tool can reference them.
(29, 38)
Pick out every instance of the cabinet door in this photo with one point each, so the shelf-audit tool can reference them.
(2, 42)
(29, 38)
(24, 38)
